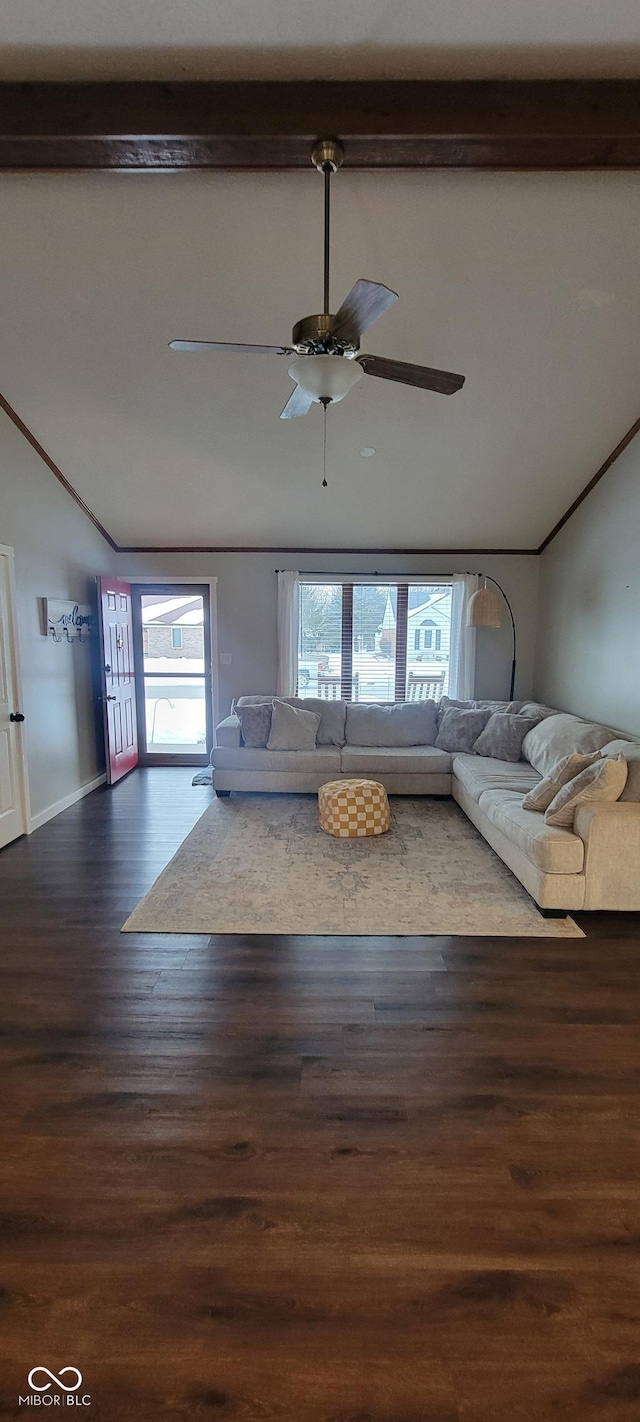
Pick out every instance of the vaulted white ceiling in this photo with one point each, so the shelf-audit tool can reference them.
(323, 39)
(527, 284)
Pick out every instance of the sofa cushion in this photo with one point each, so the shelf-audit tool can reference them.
(503, 735)
(554, 851)
(604, 780)
(477, 773)
(292, 729)
(631, 752)
(255, 724)
(331, 731)
(536, 711)
(557, 736)
(390, 760)
(405, 723)
(324, 759)
(459, 728)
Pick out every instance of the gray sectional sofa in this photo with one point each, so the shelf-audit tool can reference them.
(594, 866)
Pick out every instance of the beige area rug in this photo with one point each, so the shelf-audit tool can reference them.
(261, 864)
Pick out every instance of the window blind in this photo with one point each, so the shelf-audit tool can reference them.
(371, 638)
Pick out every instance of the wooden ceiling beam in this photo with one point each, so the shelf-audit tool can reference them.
(483, 124)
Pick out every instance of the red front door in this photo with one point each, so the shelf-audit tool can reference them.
(118, 678)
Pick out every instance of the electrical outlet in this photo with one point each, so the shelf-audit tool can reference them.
(225, 659)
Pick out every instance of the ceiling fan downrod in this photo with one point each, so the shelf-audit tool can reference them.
(327, 155)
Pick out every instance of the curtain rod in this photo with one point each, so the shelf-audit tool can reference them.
(392, 577)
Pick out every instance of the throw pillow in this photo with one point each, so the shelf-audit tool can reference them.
(631, 752)
(331, 731)
(477, 705)
(255, 724)
(503, 735)
(605, 780)
(446, 701)
(459, 729)
(546, 790)
(292, 729)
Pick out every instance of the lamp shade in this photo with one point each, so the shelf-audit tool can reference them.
(484, 609)
(326, 377)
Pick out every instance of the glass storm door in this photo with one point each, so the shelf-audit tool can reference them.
(173, 644)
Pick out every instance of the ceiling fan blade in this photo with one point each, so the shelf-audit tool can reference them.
(366, 302)
(297, 404)
(229, 346)
(443, 381)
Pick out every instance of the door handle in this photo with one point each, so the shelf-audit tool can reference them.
(16, 716)
(111, 698)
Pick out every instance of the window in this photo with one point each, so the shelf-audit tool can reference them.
(374, 641)
(176, 638)
(320, 642)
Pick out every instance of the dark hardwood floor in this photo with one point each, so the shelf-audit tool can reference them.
(308, 1179)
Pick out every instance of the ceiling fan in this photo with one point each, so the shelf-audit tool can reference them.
(327, 347)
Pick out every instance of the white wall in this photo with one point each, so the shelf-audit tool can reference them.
(588, 643)
(247, 607)
(57, 554)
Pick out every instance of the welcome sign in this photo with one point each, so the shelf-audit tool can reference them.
(67, 621)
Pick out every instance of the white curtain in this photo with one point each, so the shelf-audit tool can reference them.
(288, 631)
(462, 655)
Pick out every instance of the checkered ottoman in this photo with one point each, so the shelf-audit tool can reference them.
(353, 809)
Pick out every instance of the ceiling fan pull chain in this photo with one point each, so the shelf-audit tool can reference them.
(324, 443)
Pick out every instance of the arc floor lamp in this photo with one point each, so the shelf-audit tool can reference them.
(484, 610)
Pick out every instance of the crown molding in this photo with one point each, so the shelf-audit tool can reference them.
(289, 548)
(50, 463)
(600, 473)
(468, 124)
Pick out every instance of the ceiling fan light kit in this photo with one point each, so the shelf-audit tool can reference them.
(325, 377)
(329, 362)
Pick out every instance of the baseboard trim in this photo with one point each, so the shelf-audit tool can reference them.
(36, 821)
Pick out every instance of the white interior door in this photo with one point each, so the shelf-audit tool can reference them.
(12, 782)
